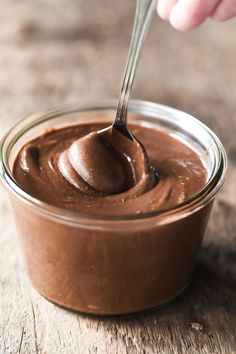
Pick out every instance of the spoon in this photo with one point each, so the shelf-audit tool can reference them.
(112, 160)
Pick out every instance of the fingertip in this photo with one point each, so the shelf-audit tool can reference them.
(164, 8)
(189, 14)
(180, 21)
(161, 10)
(219, 18)
(224, 11)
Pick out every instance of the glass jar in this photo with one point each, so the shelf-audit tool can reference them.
(112, 264)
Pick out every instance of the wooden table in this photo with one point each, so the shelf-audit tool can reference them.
(54, 52)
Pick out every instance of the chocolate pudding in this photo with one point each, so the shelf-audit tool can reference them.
(119, 244)
(53, 169)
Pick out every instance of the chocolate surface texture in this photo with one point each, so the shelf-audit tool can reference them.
(54, 168)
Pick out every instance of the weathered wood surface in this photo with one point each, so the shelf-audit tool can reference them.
(61, 51)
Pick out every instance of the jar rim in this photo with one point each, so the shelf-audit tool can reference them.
(142, 107)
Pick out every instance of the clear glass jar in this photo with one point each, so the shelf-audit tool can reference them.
(112, 264)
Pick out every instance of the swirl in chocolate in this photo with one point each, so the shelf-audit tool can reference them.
(56, 169)
(106, 162)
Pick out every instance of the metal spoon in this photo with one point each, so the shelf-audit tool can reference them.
(144, 13)
(104, 172)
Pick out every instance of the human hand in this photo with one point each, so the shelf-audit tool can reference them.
(187, 14)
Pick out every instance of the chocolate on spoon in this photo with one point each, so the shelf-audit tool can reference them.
(112, 160)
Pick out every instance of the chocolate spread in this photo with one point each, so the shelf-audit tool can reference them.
(100, 266)
(55, 169)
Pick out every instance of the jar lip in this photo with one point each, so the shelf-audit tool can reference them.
(138, 106)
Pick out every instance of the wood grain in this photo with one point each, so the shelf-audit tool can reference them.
(53, 52)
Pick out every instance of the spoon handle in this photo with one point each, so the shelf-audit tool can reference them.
(144, 13)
